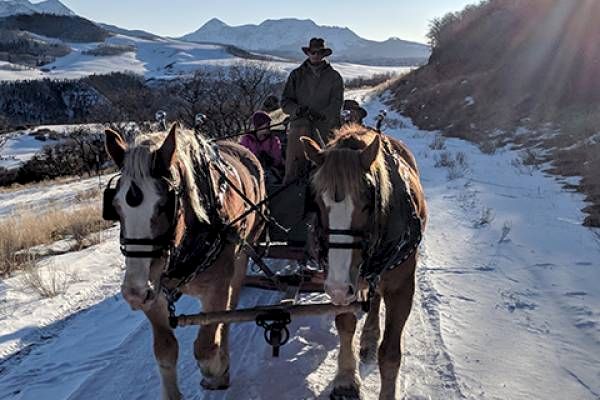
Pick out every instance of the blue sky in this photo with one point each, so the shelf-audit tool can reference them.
(375, 19)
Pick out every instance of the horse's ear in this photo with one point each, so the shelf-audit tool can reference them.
(115, 146)
(166, 153)
(370, 153)
(312, 151)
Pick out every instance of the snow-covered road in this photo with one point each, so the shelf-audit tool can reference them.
(507, 305)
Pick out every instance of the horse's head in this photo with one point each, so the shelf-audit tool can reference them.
(344, 183)
(146, 204)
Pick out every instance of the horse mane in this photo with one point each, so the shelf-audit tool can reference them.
(338, 173)
(140, 158)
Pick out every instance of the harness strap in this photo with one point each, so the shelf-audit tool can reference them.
(143, 254)
(346, 232)
(143, 242)
(350, 245)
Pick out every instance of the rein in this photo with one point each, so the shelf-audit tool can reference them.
(252, 132)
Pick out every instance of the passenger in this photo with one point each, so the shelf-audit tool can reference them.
(271, 103)
(265, 146)
(354, 112)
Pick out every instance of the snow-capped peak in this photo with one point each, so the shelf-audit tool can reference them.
(53, 7)
(284, 37)
(13, 7)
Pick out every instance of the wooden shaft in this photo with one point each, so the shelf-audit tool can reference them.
(250, 314)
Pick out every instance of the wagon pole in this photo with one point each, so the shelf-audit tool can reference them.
(251, 314)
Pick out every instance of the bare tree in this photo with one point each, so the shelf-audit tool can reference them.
(227, 95)
(91, 151)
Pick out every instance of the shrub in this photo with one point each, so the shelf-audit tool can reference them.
(105, 50)
(28, 229)
(48, 282)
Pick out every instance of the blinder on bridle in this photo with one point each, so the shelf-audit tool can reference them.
(109, 213)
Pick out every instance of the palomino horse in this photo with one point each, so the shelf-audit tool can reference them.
(372, 212)
(172, 200)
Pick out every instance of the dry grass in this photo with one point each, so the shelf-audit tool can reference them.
(438, 143)
(23, 231)
(506, 228)
(48, 282)
(89, 194)
(456, 164)
(486, 217)
(32, 185)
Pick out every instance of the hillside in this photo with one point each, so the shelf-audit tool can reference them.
(14, 7)
(285, 37)
(67, 28)
(533, 83)
(22, 48)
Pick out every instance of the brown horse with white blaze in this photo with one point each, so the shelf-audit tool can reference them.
(172, 191)
(372, 212)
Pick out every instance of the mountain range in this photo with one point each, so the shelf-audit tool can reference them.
(285, 37)
(282, 38)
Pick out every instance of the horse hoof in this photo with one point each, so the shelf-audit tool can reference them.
(345, 393)
(215, 382)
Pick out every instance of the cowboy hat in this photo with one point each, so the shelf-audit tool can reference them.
(317, 44)
(353, 105)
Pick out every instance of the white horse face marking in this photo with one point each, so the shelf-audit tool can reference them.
(139, 221)
(341, 283)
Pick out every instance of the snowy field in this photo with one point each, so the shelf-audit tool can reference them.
(48, 197)
(158, 59)
(507, 304)
(18, 147)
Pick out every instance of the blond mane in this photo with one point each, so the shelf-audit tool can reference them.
(139, 160)
(342, 172)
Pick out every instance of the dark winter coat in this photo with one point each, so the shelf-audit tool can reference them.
(321, 89)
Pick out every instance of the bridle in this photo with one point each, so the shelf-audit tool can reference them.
(196, 252)
(377, 256)
(346, 245)
(160, 245)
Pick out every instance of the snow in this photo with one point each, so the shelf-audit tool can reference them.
(40, 198)
(18, 147)
(18, 150)
(469, 101)
(12, 7)
(506, 307)
(159, 59)
(288, 35)
(14, 72)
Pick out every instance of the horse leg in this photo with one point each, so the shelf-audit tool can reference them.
(398, 302)
(166, 349)
(346, 385)
(369, 338)
(211, 347)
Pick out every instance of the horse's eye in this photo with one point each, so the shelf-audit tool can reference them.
(134, 195)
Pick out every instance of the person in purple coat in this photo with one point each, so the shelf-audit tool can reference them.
(265, 146)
